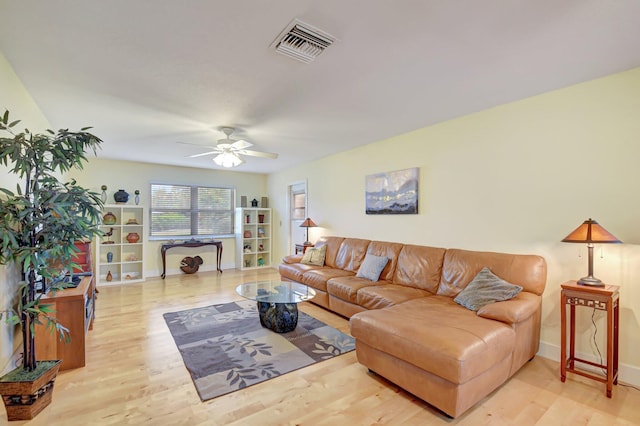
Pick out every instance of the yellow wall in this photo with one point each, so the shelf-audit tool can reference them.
(516, 178)
(16, 99)
(131, 176)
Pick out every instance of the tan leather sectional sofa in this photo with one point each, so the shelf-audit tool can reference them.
(407, 326)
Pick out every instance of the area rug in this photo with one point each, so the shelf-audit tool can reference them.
(225, 348)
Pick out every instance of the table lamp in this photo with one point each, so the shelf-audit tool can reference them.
(308, 223)
(590, 232)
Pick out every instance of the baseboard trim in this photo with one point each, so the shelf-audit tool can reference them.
(629, 374)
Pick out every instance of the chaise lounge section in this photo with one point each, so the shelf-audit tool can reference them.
(408, 324)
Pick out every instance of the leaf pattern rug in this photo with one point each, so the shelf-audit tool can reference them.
(225, 348)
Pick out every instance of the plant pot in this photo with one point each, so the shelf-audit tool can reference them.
(25, 399)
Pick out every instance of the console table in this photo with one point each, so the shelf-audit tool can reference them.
(604, 298)
(191, 243)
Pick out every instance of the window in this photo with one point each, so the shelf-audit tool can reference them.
(298, 211)
(191, 211)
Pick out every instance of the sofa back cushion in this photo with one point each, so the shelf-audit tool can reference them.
(389, 250)
(461, 266)
(351, 254)
(333, 245)
(419, 267)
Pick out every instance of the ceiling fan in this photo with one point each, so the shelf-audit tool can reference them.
(229, 150)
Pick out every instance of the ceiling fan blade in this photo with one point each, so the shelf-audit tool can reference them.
(197, 144)
(205, 153)
(257, 153)
(240, 144)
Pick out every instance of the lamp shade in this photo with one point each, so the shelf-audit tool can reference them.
(590, 231)
(308, 223)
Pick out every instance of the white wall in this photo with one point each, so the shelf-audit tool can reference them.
(132, 175)
(15, 99)
(516, 178)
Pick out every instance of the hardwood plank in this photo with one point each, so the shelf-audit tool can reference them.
(135, 375)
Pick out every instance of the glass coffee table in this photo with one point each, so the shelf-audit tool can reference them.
(277, 302)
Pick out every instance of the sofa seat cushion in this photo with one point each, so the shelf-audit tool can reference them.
(381, 296)
(294, 271)
(437, 335)
(346, 288)
(317, 278)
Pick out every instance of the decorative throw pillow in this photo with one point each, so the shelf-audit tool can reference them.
(372, 267)
(486, 288)
(314, 256)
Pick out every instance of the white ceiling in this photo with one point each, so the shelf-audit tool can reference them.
(147, 74)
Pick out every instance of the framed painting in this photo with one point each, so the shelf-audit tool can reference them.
(392, 192)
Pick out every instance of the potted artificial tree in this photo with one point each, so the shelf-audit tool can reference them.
(39, 224)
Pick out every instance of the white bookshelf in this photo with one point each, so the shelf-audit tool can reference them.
(253, 238)
(127, 258)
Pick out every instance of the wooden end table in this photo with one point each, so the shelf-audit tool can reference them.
(604, 298)
(302, 248)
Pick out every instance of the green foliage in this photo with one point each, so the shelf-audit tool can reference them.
(42, 219)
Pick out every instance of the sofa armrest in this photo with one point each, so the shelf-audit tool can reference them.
(512, 311)
(292, 258)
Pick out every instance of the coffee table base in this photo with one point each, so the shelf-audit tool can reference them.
(279, 317)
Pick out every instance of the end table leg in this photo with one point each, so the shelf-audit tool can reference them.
(563, 338)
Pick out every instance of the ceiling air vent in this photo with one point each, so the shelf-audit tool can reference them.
(302, 42)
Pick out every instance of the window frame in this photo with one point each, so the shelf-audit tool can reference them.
(193, 212)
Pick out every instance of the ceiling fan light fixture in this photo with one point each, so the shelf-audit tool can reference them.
(227, 159)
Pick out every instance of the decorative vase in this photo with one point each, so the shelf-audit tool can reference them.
(137, 197)
(109, 277)
(24, 400)
(248, 218)
(109, 219)
(109, 257)
(103, 195)
(121, 196)
(260, 218)
(133, 237)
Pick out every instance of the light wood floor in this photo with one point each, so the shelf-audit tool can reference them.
(135, 375)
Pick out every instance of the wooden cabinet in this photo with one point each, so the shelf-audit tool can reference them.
(253, 238)
(119, 254)
(74, 309)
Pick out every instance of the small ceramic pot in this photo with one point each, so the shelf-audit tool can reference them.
(109, 257)
(109, 219)
(121, 196)
(133, 237)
